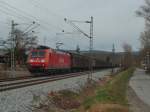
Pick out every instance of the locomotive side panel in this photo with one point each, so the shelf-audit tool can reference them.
(60, 60)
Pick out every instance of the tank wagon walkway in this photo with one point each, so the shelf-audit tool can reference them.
(140, 87)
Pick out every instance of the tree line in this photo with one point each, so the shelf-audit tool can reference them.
(144, 12)
(22, 43)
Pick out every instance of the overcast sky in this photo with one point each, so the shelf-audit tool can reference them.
(115, 21)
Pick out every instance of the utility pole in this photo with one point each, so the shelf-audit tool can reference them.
(13, 47)
(113, 54)
(91, 48)
(71, 22)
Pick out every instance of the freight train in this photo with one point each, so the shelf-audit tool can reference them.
(48, 60)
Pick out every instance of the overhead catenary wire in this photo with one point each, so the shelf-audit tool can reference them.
(76, 41)
(76, 28)
(38, 5)
(22, 15)
(16, 10)
(29, 26)
(28, 16)
(11, 14)
(4, 22)
(31, 29)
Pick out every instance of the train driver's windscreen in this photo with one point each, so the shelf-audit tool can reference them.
(37, 53)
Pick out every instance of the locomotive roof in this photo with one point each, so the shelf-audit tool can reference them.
(58, 50)
(42, 47)
(64, 51)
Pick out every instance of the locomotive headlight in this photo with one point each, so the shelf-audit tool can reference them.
(42, 60)
(31, 60)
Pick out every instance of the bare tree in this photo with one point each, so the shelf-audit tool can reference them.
(127, 58)
(145, 13)
(145, 39)
(23, 42)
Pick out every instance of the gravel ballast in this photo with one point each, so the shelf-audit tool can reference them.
(19, 100)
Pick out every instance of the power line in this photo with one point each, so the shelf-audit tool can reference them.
(38, 4)
(28, 16)
(47, 10)
(31, 28)
(14, 9)
(22, 15)
(11, 14)
(3, 22)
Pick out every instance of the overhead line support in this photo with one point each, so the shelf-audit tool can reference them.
(71, 22)
(13, 47)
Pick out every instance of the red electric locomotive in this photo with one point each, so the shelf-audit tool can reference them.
(48, 60)
(45, 59)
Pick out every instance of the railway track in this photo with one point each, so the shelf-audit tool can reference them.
(20, 83)
(17, 78)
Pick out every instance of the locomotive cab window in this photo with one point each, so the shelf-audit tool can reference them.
(41, 53)
(38, 54)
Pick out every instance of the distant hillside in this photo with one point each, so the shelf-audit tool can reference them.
(106, 55)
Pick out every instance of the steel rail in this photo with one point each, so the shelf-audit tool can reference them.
(16, 85)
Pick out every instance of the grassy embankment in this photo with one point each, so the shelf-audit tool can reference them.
(112, 96)
(105, 95)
